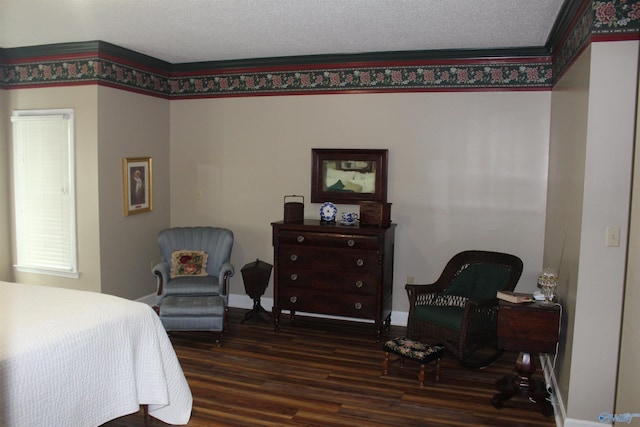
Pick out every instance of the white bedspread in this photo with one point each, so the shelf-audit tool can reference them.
(75, 358)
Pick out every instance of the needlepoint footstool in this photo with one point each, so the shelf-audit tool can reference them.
(416, 351)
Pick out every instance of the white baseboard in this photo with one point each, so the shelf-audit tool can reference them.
(398, 318)
(556, 399)
(570, 422)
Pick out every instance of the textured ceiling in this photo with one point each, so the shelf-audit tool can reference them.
(213, 30)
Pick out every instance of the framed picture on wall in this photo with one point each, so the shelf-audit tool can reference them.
(136, 174)
(348, 176)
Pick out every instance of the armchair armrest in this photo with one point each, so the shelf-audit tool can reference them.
(225, 273)
(161, 271)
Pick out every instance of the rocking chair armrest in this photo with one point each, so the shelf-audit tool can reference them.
(413, 290)
(437, 299)
(480, 313)
(482, 302)
(479, 308)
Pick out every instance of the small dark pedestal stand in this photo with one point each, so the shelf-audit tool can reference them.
(528, 329)
(256, 279)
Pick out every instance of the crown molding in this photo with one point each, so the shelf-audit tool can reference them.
(361, 59)
(579, 23)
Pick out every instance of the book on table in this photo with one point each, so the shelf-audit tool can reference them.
(514, 297)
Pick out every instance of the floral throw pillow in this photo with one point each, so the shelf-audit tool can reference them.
(188, 263)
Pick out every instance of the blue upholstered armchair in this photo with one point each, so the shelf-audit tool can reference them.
(195, 263)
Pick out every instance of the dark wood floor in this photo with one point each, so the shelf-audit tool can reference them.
(319, 372)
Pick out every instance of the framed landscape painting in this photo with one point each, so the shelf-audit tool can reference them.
(348, 176)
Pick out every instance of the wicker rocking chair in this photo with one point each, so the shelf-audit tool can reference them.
(459, 310)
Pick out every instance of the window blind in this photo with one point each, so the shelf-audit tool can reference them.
(44, 192)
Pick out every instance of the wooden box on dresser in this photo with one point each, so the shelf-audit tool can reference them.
(333, 269)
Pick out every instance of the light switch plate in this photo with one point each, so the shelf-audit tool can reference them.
(613, 236)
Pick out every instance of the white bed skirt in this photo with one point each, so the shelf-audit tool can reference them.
(77, 358)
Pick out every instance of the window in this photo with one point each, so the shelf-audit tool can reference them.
(44, 192)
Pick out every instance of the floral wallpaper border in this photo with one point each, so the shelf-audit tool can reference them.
(615, 18)
(391, 78)
(492, 74)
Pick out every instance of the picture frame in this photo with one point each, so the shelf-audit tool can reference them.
(348, 176)
(137, 185)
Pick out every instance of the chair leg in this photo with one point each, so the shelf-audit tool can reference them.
(225, 320)
(421, 375)
(437, 369)
(385, 364)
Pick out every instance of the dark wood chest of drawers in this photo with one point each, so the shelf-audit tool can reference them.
(333, 269)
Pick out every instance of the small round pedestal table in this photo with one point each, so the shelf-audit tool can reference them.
(256, 280)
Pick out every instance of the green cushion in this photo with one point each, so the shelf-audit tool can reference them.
(480, 281)
(447, 317)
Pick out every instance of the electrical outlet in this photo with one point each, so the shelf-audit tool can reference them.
(410, 280)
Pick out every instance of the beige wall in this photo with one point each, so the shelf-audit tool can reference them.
(115, 252)
(567, 151)
(466, 170)
(613, 74)
(83, 99)
(6, 272)
(130, 125)
(628, 385)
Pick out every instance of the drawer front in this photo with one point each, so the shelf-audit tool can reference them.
(528, 329)
(335, 304)
(328, 281)
(340, 241)
(298, 257)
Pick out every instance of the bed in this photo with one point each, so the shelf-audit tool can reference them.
(78, 358)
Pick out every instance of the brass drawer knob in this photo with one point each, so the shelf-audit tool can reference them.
(294, 276)
(358, 305)
(293, 299)
(294, 257)
(360, 262)
(359, 284)
(351, 242)
(300, 239)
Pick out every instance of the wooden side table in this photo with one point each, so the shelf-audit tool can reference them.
(528, 328)
(256, 280)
